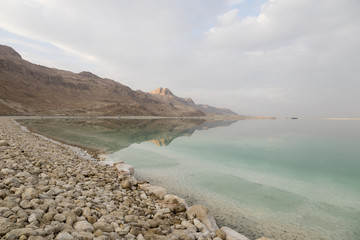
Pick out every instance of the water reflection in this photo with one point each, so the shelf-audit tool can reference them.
(112, 135)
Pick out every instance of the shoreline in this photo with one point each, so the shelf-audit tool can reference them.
(159, 215)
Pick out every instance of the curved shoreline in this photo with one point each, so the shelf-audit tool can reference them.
(130, 210)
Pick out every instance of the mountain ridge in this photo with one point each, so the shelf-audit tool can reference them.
(31, 89)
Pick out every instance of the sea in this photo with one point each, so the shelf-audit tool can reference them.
(279, 178)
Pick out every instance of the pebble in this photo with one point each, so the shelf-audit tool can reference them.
(49, 191)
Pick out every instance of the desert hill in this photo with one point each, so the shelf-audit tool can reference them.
(30, 89)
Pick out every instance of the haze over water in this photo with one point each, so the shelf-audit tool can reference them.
(286, 179)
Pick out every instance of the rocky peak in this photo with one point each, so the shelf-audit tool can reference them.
(162, 91)
(6, 51)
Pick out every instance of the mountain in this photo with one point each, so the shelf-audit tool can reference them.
(30, 89)
(165, 95)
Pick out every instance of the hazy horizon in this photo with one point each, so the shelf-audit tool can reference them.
(260, 57)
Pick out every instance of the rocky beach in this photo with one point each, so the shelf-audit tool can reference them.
(52, 191)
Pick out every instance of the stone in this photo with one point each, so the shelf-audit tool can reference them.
(64, 236)
(103, 226)
(129, 236)
(202, 213)
(60, 218)
(48, 216)
(130, 218)
(12, 182)
(4, 143)
(157, 191)
(84, 226)
(140, 237)
(220, 233)
(125, 168)
(174, 203)
(190, 227)
(83, 235)
(29, 193)
(36, 238)
(199, 225)
(232, 234)
(126, 184)
(264, 238)
(102, 237)
(16, 233)
(5, 225)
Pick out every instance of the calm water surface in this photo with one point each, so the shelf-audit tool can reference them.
(286, 179)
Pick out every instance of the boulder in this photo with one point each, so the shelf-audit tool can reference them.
(202, 213)
(232, 234)
(157, 191)
(174, 203)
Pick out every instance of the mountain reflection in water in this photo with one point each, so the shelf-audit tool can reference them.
(112, 135)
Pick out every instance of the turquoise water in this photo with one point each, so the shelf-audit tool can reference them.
(285, 179)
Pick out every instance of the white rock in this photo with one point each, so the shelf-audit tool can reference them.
(232, 234)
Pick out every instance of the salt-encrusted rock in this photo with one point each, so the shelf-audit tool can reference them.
(64, 236)
(202, 213)
(84, 226)
(125, 168)
(157, 191)
(174, 203)
(232, 234)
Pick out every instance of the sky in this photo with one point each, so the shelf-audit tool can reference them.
(280, 58)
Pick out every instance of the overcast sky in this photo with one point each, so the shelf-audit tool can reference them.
(257, 57)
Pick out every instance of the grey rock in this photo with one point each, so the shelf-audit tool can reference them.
(29, 193)
(16, 233)
(5, 225)
(59, 218)
(64, 236)
(84, 226)
(83, 235)
(103, 226)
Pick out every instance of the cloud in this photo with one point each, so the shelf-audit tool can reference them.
(282, 57)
